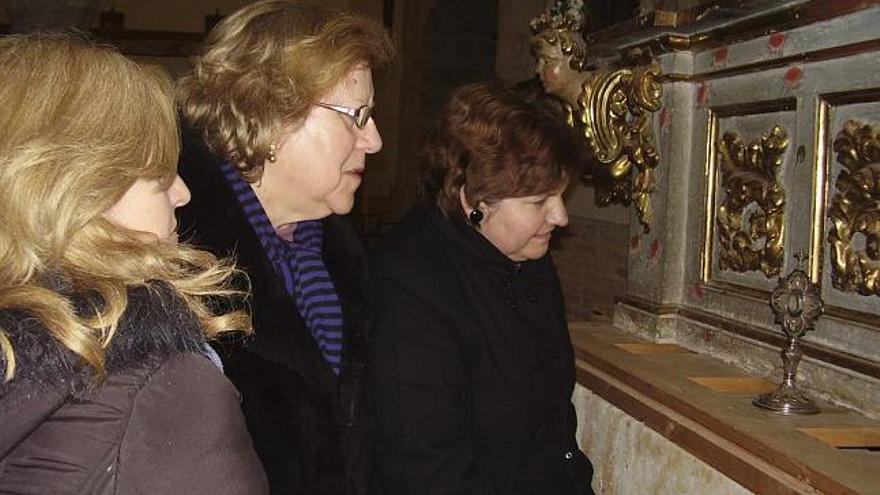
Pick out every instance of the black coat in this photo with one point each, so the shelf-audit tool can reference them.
(164, 421)
(472, 368)
(308, 425)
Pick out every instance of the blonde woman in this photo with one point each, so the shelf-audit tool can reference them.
(106, 385)
(279, 111)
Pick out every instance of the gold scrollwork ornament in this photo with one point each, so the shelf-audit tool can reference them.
(855, 211)
(613, 107)
(752, 238)
(616, 110)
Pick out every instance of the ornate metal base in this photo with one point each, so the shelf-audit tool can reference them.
(797, 304)
(786, 399)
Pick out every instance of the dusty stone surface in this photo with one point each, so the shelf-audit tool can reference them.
(629, 458)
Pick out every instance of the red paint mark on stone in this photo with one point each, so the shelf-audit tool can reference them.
(707, 336)
(697, 291)
(634, 242)
(655, 248)
(703, 93)
(793, 77)
(776, 42)
(665, 118)
(719, 56)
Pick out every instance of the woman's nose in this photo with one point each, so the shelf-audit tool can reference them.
(369, 137)
(558, 214)
(179, 193)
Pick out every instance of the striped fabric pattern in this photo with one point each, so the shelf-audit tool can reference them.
(300, 264)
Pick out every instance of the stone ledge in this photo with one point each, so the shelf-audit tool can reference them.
(761, 451)
(775, 339)
(837, 377)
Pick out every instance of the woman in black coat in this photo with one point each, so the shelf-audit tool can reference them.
(278, 124)
(472, 367)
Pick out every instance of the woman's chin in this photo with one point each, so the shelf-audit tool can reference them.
(342, 205)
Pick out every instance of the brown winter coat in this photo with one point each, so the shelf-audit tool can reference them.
(165, 420)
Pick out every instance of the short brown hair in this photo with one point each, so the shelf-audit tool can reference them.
(497, 145)
(265, 65)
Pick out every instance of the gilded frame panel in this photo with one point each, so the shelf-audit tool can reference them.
(826, 130)
(708, 259)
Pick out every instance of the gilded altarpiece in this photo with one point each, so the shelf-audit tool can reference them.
(770, 147)
(749, 152)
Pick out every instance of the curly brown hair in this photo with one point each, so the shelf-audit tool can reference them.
(496, 144)
(264, 66)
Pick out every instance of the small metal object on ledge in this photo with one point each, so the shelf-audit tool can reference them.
(797, 305)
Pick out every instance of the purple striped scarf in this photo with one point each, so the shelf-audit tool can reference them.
(300, 265)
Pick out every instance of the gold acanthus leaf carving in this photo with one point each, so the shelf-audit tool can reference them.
(616, 110)
(749, 177)
(854, 211)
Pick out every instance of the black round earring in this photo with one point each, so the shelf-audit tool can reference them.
(475, 217)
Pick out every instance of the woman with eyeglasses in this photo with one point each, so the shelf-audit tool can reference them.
(278, 124)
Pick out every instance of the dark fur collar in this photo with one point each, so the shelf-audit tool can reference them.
(155, 325)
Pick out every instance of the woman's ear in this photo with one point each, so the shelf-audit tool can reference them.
(465, 205)
(473, 214)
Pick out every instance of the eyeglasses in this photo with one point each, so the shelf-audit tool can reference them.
(360, 115)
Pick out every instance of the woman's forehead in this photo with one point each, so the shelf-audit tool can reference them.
(358, 83)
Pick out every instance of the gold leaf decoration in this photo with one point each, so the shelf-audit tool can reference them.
(854, 211)
(616, 110)
(751, 222)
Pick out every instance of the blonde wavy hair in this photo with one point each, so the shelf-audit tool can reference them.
(80, 124)
(264, 66)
